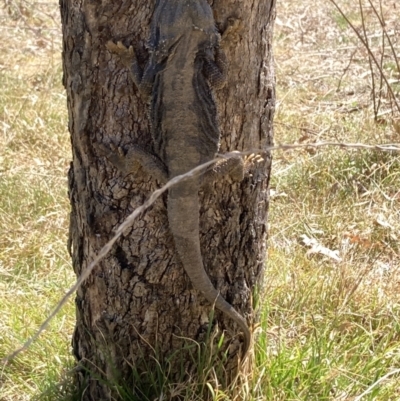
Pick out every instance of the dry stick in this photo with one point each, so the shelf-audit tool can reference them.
(154, 196)
(371, 69)
(346, 68)
(381, 66)
(381, 78)
(381, 21)
(369, 52)
(368, 390)
(383, 52)
(106, 249)
(385, 33)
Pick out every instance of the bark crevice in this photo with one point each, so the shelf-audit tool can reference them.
(139, 299)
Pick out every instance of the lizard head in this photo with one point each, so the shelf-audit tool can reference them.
(174, 20)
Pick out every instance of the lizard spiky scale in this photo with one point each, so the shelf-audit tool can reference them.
(185, 65)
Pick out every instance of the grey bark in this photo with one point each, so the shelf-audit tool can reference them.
(139, 299)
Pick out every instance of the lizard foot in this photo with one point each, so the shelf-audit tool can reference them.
(127, 55)
(232, 32)
(252, 160)
(118, 159)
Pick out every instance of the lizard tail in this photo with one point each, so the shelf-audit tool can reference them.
(183, 216)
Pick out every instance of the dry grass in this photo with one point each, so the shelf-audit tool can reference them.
(331, 322)
(34, 266)
(333, 318)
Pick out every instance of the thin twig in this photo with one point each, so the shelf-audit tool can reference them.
(155, 195)
(381, 67)
(369, 52)
(382, 22)
(368, 390)
(371, 69)
(353, 53)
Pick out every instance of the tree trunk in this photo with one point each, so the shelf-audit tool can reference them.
(138, 305)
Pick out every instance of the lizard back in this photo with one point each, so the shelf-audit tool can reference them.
(185, 64)
(183, 113)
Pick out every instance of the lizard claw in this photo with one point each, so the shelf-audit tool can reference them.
(111, 46)
(252, 160)
(123, 50)
(232, 31)
(127, 55)
(118, 149)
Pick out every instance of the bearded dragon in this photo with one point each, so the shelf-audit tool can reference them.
(186, 63)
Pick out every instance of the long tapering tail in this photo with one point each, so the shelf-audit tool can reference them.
(183, 216)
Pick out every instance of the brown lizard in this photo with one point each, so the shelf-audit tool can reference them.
(185, 64)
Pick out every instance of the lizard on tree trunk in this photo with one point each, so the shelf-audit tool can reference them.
(185, 64)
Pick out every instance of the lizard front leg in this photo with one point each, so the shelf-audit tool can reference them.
(215, 66)
(135, 158)
(143, 80)
(234, 168)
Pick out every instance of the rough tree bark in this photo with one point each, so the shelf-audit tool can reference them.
(139, 301)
